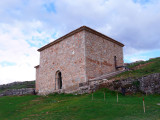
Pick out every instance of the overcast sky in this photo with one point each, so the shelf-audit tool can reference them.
(26, 25)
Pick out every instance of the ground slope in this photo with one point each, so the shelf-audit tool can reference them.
(141, 69)
(79, 107)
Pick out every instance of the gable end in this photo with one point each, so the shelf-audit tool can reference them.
(76, 31)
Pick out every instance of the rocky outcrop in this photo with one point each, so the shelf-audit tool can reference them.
(149, 84)
(23, 91)
(94, 84)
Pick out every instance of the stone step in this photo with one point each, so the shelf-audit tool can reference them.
(107, 76)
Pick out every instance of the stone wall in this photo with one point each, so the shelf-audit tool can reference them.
(67, 57)
(22, 91)
(100, 54)
(149, 84)
(79, 56)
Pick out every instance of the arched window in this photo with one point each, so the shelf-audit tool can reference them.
(58, 80)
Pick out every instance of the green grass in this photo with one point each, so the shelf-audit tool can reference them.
(153, 67)
(79, 107)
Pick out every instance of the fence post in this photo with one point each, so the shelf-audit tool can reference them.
(144, 106)
(117, 97)
(92, 94)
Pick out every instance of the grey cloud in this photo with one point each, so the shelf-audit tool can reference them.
(134, 24)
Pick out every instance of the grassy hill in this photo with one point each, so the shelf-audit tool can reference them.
(17, 85)
(79, 107)
(82, 107)
(141, 68)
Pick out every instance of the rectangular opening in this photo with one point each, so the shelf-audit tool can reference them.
(115, 62)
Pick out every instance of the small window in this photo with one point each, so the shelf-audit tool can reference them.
(115, 61)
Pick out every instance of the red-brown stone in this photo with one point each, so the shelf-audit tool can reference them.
(79, 56)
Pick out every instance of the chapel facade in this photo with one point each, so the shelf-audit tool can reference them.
(76, 58)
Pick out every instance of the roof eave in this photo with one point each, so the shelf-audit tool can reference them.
(76, 31)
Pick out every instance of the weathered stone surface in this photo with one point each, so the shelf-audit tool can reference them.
(79, 57)
(68, 57)
(100, 55)
(22, 91)
(149, 84)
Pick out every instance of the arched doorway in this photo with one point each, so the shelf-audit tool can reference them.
(58, 80)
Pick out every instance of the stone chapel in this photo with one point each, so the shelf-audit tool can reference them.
(75, 59)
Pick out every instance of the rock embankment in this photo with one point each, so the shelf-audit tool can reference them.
(18, 85)
(23, 91)
(149, 84)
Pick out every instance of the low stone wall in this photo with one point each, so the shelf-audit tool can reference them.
(22, 91)
(92, 85)
(149, 84)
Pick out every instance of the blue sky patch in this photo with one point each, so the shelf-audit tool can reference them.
(50, 7)
(54, 35)
(142, 1)
(6, 63)
(142, 56)
(38, 42)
